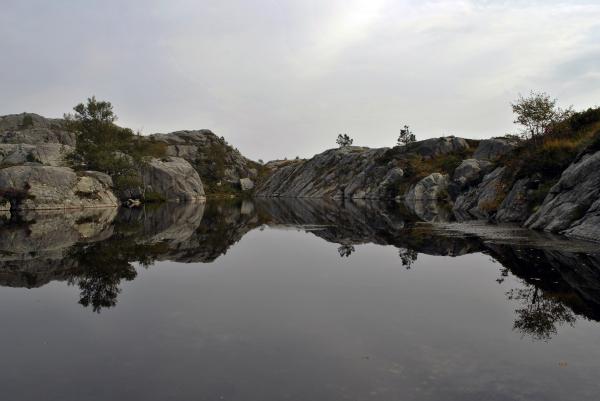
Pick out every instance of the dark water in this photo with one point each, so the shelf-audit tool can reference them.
(292, 300)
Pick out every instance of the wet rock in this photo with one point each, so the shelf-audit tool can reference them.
(494, 148)
(173, 179)
(572, 206)
(425, 198)
(432, 187)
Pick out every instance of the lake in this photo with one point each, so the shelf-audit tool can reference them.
(293, 300)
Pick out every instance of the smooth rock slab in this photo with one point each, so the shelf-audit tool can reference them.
(44, 187)
(174, 179)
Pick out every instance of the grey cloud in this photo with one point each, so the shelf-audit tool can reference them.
(283, 78)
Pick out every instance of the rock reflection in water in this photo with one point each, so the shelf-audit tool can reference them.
(97, 249)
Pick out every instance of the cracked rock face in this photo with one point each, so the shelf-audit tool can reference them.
(479, 201)
(572, 207)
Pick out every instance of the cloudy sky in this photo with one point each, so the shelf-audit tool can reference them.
(282, 78)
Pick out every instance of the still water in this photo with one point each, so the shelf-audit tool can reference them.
(292, 300)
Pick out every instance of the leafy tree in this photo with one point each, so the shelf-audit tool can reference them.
(406, 137)
(104, 146)
(344, 140)
(537, 113)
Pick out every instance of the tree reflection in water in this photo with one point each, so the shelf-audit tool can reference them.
(540, 313)
(346, 250)
(103, 265)
(408, 257)
(557, 287)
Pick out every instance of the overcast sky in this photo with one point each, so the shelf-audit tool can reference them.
(282, 78)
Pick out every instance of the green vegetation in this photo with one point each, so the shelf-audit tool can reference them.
(27, 122)
(104, 146)
(537, 113)
(551, 153)
(545, 156)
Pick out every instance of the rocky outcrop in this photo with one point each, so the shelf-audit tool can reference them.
(435, 147)
(32, 129)
(347, 172)
(482, 201)
(172, 179)
(50, 154)
(470, 172)
(43, 187)
(354, 172)
(216, 162)
(494, 148)
(516, 206)
(572, 207)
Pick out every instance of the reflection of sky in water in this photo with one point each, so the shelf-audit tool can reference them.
(278, 314)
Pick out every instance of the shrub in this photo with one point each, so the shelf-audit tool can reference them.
(27, 121)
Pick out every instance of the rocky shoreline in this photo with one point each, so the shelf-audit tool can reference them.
(438, 179)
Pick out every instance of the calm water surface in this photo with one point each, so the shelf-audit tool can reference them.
(291, 300)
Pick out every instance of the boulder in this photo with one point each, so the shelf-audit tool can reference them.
(35, 187)
(425, 199)
(572, 207)
(173, 179)
(432, 187)
(470, 171)
(246, 184)
(494, 148)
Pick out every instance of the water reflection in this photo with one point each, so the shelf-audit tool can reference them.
(97, 250)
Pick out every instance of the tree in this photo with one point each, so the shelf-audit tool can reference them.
(540, 313)
(346, 250)
(344, 140)
(406, 137)
(101, 145)
(537, 113)
(408, 257)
